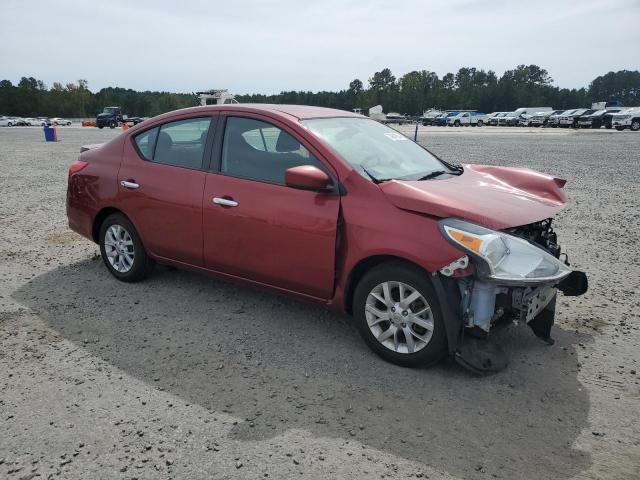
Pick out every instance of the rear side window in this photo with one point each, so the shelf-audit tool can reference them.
(146, 142)
(180, 144)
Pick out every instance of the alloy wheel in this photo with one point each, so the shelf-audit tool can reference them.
(119, 248)
(399, 317)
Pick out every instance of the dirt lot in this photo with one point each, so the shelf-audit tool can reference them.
(185, 376)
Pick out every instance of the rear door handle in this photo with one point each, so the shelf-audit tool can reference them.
(225, 202)
(129, 185)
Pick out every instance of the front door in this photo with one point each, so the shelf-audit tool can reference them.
(161, 181)
(257, 228)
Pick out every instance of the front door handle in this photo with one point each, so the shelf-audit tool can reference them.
(225, 202)
(129, 185)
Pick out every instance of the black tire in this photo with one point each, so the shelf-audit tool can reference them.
(456, 123)
(100, 127)
(607, 126)
(112, 124)
(142, 263)
(68, 124)
(436, 347)
(635, 125)
(620, 129)
(480, 123)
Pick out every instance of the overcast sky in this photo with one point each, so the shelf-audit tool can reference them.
(273, 45)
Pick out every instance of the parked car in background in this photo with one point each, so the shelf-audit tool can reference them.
(508, 120)
(554, 118)
(629, 118)
(16, 122)
(32, 122)
(490, 116)
(602, 118)
(596, 119)
(441, 120)
(395, 117)
(427, 117)
(465, 119)
(539, 119)
(568, 120)
(4, 121)
(282, 197)
(495, 119)
(60, 121)
(584, 117)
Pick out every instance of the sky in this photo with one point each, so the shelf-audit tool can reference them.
(273, 45)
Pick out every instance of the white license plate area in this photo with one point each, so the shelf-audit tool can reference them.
(538, 300)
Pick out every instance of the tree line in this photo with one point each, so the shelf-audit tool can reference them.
(412, 93)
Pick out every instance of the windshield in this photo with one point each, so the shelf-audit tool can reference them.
(374, 149)
(110, 110)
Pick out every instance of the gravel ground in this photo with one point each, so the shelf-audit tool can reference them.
(185, 376)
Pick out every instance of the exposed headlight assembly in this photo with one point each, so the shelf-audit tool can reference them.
(503, 258)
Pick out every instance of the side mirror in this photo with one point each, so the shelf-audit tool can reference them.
(307, 177)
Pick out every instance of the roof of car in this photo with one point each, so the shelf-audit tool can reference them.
(301, 112)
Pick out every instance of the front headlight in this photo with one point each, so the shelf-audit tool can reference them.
(503, 258)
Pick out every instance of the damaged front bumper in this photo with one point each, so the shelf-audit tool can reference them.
(473, 305)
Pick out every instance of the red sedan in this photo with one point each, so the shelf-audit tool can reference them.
(334, 208)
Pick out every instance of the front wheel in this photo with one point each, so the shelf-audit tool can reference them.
(122, 250)
(620, 129)
(480, 123)
(398, 315)
(635, 125)
(112, 124)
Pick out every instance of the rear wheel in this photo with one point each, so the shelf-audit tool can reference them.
(480, 123)
(112, 124)
(122, 250)
(398, 315)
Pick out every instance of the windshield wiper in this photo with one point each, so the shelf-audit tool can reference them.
(374, 179)
(437, 173)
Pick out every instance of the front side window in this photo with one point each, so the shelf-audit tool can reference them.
(373, 149)
(260, 151)
(179, 143)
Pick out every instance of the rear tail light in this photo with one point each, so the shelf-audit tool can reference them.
(76, 166)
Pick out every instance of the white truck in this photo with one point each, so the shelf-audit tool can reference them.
(629, 118)
(523, 114)
(465, 119)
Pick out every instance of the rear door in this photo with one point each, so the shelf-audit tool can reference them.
(257, 228)
(161, 181)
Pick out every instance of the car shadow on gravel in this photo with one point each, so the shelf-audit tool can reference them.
(278, 364)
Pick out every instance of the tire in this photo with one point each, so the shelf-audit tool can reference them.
(607, 126)
(456, 123)
(100, 127)
(635, 125)
(112, 124)
(433, 346)
(480, 123)
(133, 266)
(68, 124)
(620, 129)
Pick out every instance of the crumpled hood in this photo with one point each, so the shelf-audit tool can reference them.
(494, 197)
